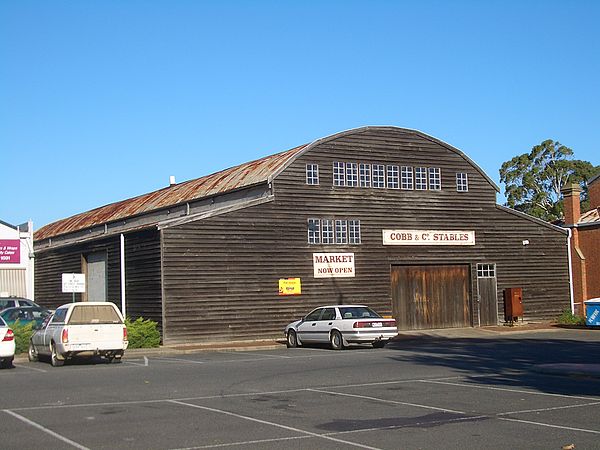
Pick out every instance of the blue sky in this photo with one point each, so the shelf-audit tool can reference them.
(104, 100)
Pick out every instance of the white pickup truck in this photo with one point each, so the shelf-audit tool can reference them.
(84, 328)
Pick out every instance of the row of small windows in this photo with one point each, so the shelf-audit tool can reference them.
(333, 231)
(379, 176)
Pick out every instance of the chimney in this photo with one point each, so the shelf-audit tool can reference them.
(172, 180)
(594, 192)
(571, 198)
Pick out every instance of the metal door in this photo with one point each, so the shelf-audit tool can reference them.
(487, 294)
(425, 297)
(96, 277)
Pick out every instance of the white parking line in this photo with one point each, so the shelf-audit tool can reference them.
(541, 424)
(189, 361)
(382, 400)
(273, 424)
(526, 411)
(30, 368)
(45, 430)
(516, 391)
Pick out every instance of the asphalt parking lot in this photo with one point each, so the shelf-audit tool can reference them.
(452, 390)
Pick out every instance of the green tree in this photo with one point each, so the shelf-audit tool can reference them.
(533, 180)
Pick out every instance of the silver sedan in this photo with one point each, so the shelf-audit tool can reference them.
(341, 325)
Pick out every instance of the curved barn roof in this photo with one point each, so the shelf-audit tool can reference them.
(234, 178)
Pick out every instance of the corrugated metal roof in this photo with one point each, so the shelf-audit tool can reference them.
(244, 175)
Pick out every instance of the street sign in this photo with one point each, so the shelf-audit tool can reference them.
(73, 282)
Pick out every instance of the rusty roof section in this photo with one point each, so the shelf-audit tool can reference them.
(237, 177)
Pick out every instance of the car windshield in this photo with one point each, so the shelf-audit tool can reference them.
(2, 322)
(358, 312)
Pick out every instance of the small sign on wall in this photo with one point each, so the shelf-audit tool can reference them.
(290, 286)
(428, 237)
(10, 251)
(73, 282)
(333, 265)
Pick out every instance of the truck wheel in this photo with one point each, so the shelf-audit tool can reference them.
(54, 357)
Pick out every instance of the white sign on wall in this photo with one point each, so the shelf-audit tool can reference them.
(333, 265)
(73, 282)
(428, 237)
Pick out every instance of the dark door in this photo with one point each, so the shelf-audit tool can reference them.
(425, 297)
(487, 294)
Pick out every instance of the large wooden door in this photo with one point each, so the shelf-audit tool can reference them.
(425, 297)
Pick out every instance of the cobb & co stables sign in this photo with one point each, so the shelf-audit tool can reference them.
(333, 265)
(428, 237)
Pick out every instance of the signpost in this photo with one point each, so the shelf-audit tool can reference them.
(73, 282)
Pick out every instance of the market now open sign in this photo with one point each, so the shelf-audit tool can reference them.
(10, 251)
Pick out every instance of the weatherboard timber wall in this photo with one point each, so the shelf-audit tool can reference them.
(52, 263)
(221, 274)
(142, 273)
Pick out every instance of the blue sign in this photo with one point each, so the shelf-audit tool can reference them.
(592, 314)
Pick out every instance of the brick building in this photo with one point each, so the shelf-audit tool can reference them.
(585, 241)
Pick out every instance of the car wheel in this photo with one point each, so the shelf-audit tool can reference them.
(54, 357)
(379, 344)
(292, 339)
(337, 343)
(32, 353)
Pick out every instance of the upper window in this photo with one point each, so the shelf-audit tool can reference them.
(312, 174)
(462, 183)
(393, 177)
(311, 317)
(421, 178)
(327, 231)
(407, 177)
(341, 232)
(352, 174)
(314, 231)
(378, 176)
(365, 175)
(339, 174)
(435, 179)
(354, 231)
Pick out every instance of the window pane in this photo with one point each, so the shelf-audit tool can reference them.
(393, 177)
(341, 232)
(352, 174)
(378, 176)
(354, 231)
(365, 175)
(435, 179)
(462, 184)
(339, 174)
(421, 178)
(312, 174)
(327, 231)
(314, 231)
(407, 177)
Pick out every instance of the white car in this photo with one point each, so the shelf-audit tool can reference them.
(7, 345)
(341, 325)
(83, 328)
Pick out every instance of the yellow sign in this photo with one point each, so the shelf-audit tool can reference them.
(290, 286)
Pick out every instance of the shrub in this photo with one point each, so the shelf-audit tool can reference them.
(568, 318)
(142, 333)
(23, 334)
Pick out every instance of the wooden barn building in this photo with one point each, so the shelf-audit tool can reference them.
(383, 216)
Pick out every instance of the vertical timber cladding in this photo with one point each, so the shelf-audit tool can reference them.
(425, 297)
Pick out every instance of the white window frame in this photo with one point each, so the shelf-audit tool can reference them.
(393, 176)
(327, 231)
(486, 270)
(420, 178)
(435, 179)
(354, 231)
(339, 173)
(406, 178)
(364, 172)
(341, 231)
(378, 171)
(314, 232)
(352, 174)
(462, 182)
(312, 174)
